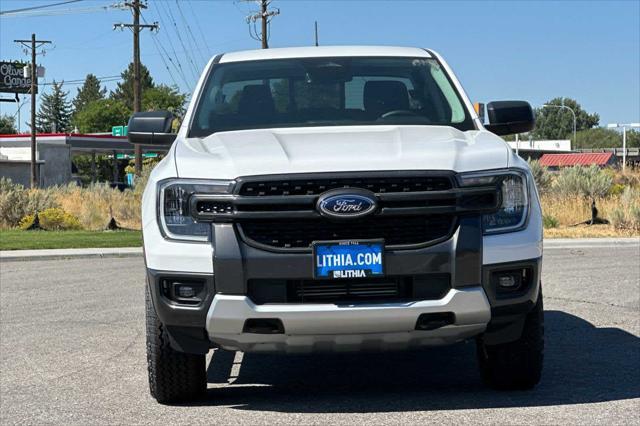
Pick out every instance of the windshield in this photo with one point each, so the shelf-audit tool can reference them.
(328, 92)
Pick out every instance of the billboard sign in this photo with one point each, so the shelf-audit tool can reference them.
(12, 79)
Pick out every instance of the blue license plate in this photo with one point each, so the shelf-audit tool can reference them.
(348, 259)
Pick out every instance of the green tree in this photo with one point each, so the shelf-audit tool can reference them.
(101, 115)
(557, 123)
(599, 138)
(633, 139)
(163, 97)
(54, 114)
(607, 138)
(124, 90)
(90, 91)
(7, 125)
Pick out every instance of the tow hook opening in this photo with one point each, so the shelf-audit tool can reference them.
(435, 320)
(263, 326)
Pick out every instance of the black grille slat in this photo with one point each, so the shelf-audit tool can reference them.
(317, 186)
(301, 233)
(323, 290)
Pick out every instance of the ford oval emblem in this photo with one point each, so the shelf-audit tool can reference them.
(346, 203)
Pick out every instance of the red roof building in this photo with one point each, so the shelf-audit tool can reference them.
(601, 159)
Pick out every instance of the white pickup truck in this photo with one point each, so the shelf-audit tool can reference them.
(338, 199)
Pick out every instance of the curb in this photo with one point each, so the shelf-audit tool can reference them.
(569, 243)
(57, 254)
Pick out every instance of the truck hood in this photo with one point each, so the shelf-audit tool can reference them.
(227, 155)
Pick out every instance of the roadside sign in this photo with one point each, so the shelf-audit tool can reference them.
(119, 131)
(12, 79)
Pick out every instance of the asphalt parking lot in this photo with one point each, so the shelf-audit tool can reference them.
(72, 352)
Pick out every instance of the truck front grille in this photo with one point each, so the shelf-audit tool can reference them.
(395, 230)
(280, 213)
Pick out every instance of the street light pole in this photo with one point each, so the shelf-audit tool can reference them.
(624, 139)
(575, 141)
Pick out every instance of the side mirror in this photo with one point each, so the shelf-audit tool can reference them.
(151, 128)
(509, 117)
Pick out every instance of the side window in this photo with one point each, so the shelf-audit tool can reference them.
(457, 110)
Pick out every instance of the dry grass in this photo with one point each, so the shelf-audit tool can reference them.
(573, 210)
(95, 204)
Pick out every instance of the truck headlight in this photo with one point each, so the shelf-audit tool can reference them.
(514, 207)
(174, 217)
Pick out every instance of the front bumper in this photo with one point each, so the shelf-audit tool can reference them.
(330, 327)
(221, 317)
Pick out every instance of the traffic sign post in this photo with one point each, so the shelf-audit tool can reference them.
(119, 131)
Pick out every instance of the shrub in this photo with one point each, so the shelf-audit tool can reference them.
(616, 189)
(541, 176)
(53, 219)
(627, 214)
(16, 202)
(617, 218)
(591, 182)
(549, 221)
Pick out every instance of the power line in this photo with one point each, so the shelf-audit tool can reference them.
(171, 18)
(155, 42)
(60, 12)
(192, 67)
(106, 79)
(175, 55)
(197, 21)
(25, 9)
(186, 23)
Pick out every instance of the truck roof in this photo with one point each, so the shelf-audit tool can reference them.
(323, 51)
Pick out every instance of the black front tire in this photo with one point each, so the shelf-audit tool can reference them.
(515, 365)
(173, 376)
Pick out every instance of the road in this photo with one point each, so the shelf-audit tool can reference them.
(72, 352)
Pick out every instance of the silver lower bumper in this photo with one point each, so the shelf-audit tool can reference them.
(329, 327)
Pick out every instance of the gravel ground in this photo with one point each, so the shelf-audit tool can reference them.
(72, 352)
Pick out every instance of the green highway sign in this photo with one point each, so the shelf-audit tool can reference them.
(119, 131)
(131, 157)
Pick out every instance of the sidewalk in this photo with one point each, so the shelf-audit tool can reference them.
(14, 255)
(11, 255)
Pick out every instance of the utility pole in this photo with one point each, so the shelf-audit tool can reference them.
(316, 31)
(135, 27)
(33, 45)
(265, 15)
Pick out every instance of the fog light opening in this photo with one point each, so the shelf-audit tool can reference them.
(183, 291)
(511, 281)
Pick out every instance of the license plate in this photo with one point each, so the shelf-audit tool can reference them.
(348, 259)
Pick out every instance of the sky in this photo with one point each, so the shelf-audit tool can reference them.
(528, 50)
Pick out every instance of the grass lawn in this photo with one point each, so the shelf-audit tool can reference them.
(16, 239)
